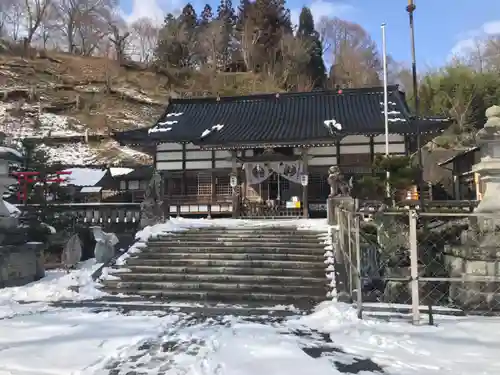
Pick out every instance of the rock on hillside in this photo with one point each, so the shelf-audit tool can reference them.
(68, 96)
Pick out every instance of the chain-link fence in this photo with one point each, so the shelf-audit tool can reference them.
(414, 264)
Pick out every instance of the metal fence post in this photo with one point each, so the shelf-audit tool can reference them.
(359, 282)
(349, 250)
(415, 298)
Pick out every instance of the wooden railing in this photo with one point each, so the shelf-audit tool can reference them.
(94, 213)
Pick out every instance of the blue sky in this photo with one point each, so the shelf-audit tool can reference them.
(442, 26)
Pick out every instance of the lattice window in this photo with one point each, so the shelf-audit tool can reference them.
(175, 185)
(204, 182)
(191, 185)
(222, 186)
(318, 188)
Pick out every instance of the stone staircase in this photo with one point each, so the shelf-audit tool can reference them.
(246, 266)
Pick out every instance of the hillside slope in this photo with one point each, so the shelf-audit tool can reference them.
(68, 96)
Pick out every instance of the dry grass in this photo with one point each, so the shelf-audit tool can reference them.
(85, 87)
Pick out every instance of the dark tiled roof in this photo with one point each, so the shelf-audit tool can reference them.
(284, 118)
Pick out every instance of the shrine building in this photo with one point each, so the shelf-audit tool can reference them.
(269, 154)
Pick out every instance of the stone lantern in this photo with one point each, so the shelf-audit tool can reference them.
(476, 259)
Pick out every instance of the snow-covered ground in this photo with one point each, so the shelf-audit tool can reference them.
(33, 124)
(38, 338)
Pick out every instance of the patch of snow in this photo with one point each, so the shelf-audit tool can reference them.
(73, 341)
(50, 228)
(70, 154)
(13, 210)
(117, 171)
(168, 122)
(214, 128)
(175, 114)
(330, 124)
(33, 124)
(456, 346)
(57, 285)
(84, 176)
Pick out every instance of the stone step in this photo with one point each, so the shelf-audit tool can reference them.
(258, 236)
(226, 263)
(239, 250)
(255, 229)
(132, 286)
(155, 254)
(223, 278)
(154, 268)
(215, 244)
(224, 297)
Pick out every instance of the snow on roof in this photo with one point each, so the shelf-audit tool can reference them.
(10, 150)
(91, 189)
(84, 176)
(117, 171)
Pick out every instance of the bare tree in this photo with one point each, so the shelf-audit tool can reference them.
(354, 56)
(35, 12)
(211, 45)
(118, 35)
(14, 18)
(6, 7)
(144, 39)
(83, 20)
(294, 57)
(48, 28)
(492, 53)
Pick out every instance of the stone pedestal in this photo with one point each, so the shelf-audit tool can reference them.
(20, 265)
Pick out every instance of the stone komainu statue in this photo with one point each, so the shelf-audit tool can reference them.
(338, 184)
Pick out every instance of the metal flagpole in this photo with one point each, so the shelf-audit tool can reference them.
(386, 110)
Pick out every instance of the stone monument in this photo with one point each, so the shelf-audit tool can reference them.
(152, 206)
(479, 251)
(21, 260)
(105, 245)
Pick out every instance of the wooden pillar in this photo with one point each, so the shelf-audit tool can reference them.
(372, 155)
(213, 186)
(305, 200)
(168, 185)
(183, 175)
(235, 192)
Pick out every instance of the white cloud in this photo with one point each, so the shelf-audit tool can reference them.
(153, 9)
(470, 39)
(322, 8)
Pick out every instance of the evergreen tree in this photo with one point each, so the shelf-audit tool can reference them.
(188, 18)
(244, 9)
(225, 14)
(316, 69)
(270, 21)
(206, 16)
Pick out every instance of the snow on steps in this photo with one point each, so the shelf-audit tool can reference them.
(265, 265)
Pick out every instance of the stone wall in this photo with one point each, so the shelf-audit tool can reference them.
(21, 264)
